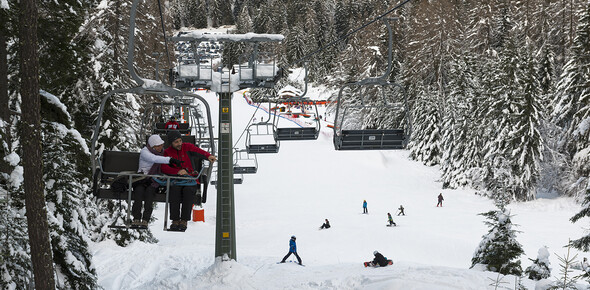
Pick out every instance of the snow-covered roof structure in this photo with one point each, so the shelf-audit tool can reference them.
(221, 37)
(289, 92)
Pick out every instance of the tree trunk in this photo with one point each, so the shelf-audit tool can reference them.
(4, 111)
(38, 227)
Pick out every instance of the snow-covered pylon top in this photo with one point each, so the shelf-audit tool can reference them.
(199, 69)
(247, 37)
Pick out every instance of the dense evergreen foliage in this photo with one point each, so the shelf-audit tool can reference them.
(499, 251)
(540, 267)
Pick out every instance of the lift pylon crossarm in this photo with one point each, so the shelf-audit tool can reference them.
(222, 37)
(256, 69)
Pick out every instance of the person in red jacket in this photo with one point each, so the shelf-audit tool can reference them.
(181, 194)
(172, 124)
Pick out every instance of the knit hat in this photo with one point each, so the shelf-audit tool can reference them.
(155, 140)
(172, 136)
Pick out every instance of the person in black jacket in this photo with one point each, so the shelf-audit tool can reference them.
(379, 259)
(326, 225)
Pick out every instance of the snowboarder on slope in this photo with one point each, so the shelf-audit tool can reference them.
(365, 210)
(292, 250)
(326, 225)
(440, 200)
(390, 219)
(379, 259)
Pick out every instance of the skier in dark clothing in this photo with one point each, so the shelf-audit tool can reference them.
(292, 250)
(440, 200)
(401, 210)
(379, 259)
(365, 210)
(326, 225)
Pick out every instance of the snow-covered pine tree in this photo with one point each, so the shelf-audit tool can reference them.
(66, 160)
(15, 260)
(426, 135)
(572, 104)
(499, 251)
(526, 142)
(457, 143)
(513, 120)
(540, 267)
(583, 243)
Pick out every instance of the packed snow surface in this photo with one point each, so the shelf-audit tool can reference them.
(307, 182)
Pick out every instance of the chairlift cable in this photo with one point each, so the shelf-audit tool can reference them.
(165, 38)
(349, 34)
(246, 128)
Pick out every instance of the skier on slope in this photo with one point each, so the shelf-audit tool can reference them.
(292, 250)
(401, 210)
(440, 200)
(365, 210)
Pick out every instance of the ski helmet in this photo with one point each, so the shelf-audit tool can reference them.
(375, 253)
(293, 237)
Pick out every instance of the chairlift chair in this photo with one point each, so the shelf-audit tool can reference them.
(299, 132)
(111, 165)
(260, 138)
(362, 138)
(350, 135)
(238, 178)
(245, 163)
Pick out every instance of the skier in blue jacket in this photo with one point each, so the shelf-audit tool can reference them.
(365, 210)
(292, 250)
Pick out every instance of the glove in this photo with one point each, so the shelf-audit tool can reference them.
(175, 162)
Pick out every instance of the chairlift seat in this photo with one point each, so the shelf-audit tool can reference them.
(297, 133)
(237, 180)
(116, 164)
(245, 169)
(184, 128)
(370, 139)
(262, 148)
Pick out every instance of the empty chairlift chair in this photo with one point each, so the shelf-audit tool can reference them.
(300, 132)
(245, 163)
(349, 133)
(375, 97)
(260, 138)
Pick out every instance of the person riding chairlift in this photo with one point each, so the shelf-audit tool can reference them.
(172, 124)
